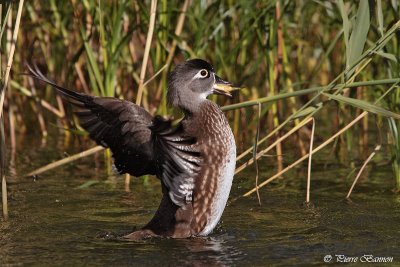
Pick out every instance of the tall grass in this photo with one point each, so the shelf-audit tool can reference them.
(318, 58)
(11, 43)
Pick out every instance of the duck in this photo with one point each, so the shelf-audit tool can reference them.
(194, 160)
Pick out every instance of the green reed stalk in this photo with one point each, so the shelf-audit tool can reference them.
(104, 42)
(308, 91)
(359, 62)
(324, 144)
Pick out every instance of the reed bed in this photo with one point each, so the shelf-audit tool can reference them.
(11, 40)
(332, 62)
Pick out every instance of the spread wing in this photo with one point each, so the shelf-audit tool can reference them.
(141, 144)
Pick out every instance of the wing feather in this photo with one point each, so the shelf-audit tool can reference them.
(140, 143)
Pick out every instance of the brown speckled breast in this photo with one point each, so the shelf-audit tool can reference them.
(216, 143)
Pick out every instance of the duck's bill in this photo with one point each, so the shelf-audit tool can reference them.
(222, 87)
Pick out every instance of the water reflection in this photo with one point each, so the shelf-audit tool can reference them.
(215, 250)
(211, 251)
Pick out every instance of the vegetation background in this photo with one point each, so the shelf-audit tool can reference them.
(329, 64)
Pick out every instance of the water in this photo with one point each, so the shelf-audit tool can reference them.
(54, 223)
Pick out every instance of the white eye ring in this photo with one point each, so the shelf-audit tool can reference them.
(203, 73)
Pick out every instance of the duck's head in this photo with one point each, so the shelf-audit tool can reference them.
(191, 82)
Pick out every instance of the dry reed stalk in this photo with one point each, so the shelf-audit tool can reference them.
(82, 78)
(2, 96)
(279, 153)
(39, 113)
(255, 151)
(11, 55)
(61, 109)
(11, 119)
(320, 90)
(155, 75)
(328, 141)
(306, 156)
(277, 73)
(178, 31)
(2, 171)
(127, 183)
(82, 154)
(377, 148)
(43, 102)
(309, 161)
(4, 197)
(52, 109)
(261, 153)
(66, 160)
(338, 87)
(11, 105)
(153, 10)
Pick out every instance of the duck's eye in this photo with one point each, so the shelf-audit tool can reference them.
(203, 73)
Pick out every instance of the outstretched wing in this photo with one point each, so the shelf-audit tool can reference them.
(140, 143)
(180, 160)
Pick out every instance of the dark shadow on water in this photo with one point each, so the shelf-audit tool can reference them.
(214, 250)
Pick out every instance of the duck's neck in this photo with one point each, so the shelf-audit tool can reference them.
(189, 102)
(206, 120)
(191, 106)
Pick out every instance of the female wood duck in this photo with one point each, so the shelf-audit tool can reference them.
(195, 160)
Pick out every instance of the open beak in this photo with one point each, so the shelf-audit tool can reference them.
(222, 87)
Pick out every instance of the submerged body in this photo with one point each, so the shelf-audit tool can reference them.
(195, 160)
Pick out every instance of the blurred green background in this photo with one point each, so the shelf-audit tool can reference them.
(286, 55)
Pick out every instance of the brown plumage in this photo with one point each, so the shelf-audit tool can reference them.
(195, 160)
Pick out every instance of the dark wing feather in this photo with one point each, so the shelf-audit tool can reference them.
(120, 125)
(180, 160)
(140, 143)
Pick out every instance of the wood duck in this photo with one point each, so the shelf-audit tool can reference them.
(194, 160)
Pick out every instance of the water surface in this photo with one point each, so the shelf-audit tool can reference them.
(53, 222)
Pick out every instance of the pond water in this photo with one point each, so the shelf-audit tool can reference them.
(54, 222)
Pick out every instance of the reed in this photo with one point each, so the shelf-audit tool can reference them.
(153, 10)
(377, 148)
(296, 59)
(310, 161)
(4, 196)
(321, 146)
(4, 82)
